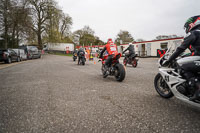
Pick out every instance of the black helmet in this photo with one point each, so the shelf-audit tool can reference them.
(191, 23)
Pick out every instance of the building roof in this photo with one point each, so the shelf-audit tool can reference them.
(156, 40)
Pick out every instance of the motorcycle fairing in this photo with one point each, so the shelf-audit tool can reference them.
(173, 80)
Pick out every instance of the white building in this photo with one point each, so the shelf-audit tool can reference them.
(150, 48)
(59, 47)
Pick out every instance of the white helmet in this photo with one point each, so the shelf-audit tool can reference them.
(130, 44)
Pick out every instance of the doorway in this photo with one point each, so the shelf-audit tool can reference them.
(143, 50)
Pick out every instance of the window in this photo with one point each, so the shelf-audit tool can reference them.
(164, 45)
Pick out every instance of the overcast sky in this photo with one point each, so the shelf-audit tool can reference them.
(144, 19)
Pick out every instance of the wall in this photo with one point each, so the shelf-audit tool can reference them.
(152, 46)
(60, 46)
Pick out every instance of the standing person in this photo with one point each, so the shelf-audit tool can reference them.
(192, 29)
(111, 48)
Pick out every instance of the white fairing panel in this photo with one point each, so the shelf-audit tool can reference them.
(188, 60)
(173, 81)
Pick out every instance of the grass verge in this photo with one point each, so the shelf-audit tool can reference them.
(61, 54)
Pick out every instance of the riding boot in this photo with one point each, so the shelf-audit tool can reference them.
(197, 93)
(106, 72)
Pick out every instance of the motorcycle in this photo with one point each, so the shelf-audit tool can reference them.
(74, 56)
(82, 59)
(170, 82)
(131, 61)
(115, 68)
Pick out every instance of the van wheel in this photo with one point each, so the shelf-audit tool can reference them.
(18, 59)
(9, 60)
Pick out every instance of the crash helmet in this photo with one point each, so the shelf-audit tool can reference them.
(192, 23)
(109, 40)
(130, 44)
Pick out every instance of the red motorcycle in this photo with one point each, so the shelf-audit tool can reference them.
(131, 61)
(115, 68)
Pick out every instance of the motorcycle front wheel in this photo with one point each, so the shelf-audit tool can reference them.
(120, 72)
(162, 87)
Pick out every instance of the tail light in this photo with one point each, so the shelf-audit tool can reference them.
(4, 55)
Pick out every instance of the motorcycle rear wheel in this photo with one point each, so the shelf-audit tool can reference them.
(83, 62)
(162, 87)
(120, 72)
(125, 61)
(134, 63)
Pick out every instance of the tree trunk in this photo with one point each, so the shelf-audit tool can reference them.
(39, 39)
(17, 43)
(6, 24)
(6, 34)
(13, 36)
(39, 34)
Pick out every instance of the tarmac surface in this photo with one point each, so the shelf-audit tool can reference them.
(55, 95)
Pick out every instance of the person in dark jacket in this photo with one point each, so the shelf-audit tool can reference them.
(131, 51)
(80, 51)
(192, 29)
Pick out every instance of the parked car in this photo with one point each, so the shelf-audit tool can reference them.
(8, 56)
(21, 53)
(31, 51)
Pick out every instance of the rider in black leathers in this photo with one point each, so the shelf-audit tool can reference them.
(81, 50)
(192, 38)
(75, 52)
(131, 51)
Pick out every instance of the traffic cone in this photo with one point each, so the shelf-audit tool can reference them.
(95, 62)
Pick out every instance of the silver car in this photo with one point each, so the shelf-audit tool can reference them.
(21, 53)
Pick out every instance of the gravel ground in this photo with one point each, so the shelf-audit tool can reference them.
(54, 94)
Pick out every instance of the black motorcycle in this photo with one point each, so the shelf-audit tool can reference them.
(82, 58)
(133, 60)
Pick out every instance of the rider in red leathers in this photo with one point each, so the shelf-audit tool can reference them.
(112, 52)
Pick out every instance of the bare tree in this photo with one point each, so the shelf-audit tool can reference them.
(66, 23)
(13, 24)
(39, 9)
(4, 23)
(124, 36)
(140, 40)
(87, 37)
(20, 20)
